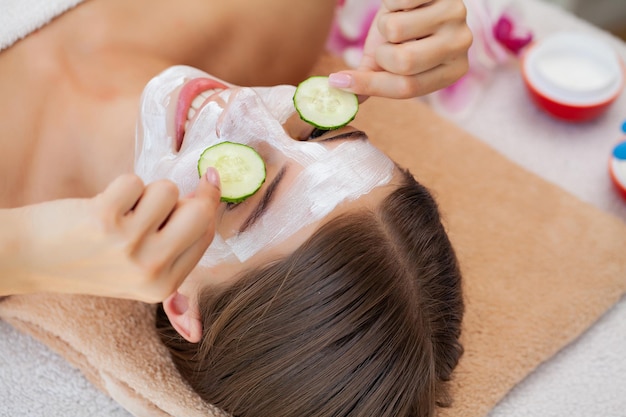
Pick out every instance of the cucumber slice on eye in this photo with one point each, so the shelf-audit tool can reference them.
(241, 169)
(323, 106)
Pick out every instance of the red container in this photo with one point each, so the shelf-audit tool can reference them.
(573, 76)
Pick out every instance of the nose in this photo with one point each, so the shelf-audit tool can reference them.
(247, 119)
(297, 128)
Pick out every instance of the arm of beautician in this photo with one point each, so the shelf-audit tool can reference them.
(131, 241)
(413, 47)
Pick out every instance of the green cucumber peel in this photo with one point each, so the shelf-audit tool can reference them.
(323, 106)
(240, 167)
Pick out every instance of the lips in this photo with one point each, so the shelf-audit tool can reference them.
(187, 104)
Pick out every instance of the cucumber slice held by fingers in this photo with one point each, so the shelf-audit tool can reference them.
(323, 106)
(241, 169)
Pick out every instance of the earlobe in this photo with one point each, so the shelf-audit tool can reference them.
(184, 319)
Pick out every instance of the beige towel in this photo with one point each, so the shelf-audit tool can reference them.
(540, 267)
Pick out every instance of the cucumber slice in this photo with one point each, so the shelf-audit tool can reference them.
(323, 106)
(241, 169)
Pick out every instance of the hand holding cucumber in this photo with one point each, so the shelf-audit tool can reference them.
(132, 241)
(413, 47)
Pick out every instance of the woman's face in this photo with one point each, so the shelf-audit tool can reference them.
(184, 111)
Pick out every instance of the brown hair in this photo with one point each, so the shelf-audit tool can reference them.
(363, 319)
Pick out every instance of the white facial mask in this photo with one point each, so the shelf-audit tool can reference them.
(254, 116)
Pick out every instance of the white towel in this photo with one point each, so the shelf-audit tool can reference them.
(18, 18)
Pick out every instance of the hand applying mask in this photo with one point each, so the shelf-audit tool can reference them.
(413, 47)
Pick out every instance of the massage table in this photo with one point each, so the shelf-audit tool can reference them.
(585, 375)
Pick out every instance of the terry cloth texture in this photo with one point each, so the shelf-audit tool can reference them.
(521, 307)
(540, 267)
(18, 18)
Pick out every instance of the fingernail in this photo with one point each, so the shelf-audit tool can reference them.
(212, 176)
(340, 80)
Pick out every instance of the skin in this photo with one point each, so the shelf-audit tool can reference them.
(67, 132)
(414, 47)
(253, 117)
(69, 109)
(182, 306)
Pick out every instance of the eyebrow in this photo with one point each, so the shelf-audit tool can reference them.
(353, 134)
(265, 201)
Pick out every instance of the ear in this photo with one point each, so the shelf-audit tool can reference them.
(185, 320)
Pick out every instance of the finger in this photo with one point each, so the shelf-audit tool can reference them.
(409, 58)
(187, 261)
(410, 25)
(191, 223)
(398, 5)
(122, 193)
(368, 59)
(168, 256)
(172, 275)
(206, 203)
(194, 216)
(373, 39)
(154, 207)
(209, 188)
(173, 252)
(181, 243)
(385, 84)
(417, 23)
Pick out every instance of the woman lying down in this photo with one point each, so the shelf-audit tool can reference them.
(331, 291)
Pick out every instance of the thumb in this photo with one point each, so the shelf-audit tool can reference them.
(209, 188)
(351, 81)
(373, 83)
